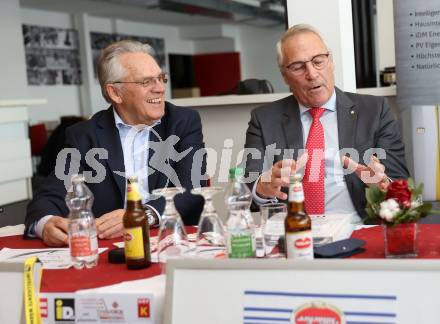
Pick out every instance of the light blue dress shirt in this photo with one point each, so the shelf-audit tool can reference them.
(337, 197)
(135, 146)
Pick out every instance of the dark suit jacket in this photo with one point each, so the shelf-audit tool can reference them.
(101, 132)
(364, 122)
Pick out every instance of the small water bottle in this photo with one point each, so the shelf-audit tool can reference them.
(239, 225)
(83, 241)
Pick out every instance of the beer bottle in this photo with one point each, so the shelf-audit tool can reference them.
(136, 236)
(297, 224)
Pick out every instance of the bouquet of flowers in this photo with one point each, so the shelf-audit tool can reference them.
(400, 203)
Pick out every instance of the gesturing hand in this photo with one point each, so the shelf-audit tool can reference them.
(372, 174)
(271, 182)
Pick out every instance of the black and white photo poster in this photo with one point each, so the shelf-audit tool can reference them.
(52, 55)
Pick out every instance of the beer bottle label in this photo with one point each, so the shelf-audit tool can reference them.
(134, 243)
(241, 246)
(133, 192)
(299, 245)
(296, 192)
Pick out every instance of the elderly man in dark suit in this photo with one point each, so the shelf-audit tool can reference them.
(333, 127)
(140, 134)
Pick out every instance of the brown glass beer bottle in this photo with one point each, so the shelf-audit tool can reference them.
(137, 234)
(297, 224)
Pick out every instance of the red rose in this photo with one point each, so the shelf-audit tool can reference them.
(399, 191)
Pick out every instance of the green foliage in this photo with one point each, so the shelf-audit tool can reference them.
(375, 197)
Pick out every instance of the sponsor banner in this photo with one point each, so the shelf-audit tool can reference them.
(95, 308)
(266, 307)
(417, 34)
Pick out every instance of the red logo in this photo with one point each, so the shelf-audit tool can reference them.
(318, 313)
(128, 236)
(143, 308)
(303, 243)
(43, 307)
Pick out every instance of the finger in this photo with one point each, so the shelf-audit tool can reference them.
(62, 224)
(117, 234)
(108, 224)
(301, 162)
(280, 195)
(376, 165)
(53, 236)
(283, 163)
(285, 172)
(349, 164)
(113, 231)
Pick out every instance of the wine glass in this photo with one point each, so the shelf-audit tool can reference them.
(172, 238)
(210, 240)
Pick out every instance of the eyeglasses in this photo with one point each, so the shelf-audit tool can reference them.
(147, 82)
(319, 62)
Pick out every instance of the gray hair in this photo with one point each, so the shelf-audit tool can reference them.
(292, 31)
(109, 67)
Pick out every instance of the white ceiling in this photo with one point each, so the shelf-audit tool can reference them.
(103, 8)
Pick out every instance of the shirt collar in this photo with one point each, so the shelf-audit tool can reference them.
(121, 124)
(329, 105)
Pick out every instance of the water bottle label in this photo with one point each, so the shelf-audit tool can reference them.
(134, 243)
(299, 245)
(80, 246)
(241, 246)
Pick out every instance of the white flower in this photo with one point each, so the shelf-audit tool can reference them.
(415, 204)
(388, 209)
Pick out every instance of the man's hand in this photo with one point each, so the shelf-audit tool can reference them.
(55, 231)
(271, 182)
(372, 174)
(110, 225)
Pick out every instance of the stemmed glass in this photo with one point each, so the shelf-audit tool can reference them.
(172, 238)
(210, 241)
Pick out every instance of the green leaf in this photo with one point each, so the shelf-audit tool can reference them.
(411, 183)
(374, 195)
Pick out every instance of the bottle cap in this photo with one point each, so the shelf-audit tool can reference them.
(116, 256)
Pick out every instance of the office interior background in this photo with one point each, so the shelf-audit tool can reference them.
(207, 46)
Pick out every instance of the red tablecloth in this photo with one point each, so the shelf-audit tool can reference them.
(428, 242)
(70, 280)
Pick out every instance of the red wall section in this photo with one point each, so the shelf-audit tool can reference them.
(216, 73)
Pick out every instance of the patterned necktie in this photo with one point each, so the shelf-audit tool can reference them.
(314, 173)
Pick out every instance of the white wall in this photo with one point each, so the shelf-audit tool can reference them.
(385, 34)
(12, 63)
(258, 54)
(61, 99)
(333, 19)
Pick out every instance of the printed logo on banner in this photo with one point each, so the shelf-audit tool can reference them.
(143, 307)
(301, 307)
(43, 307)
(113, 314)
(318, 312)
(64, 309)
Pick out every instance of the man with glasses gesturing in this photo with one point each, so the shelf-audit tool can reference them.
(322, 132)
(128, 134)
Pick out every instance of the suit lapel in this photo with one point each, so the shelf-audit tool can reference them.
(292, 126)
(347, 120)
(108, 138)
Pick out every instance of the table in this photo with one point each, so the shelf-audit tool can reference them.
(54, 281)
